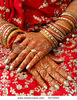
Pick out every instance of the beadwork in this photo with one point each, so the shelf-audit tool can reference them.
(66, 19)
(56, 30)
(51, 39)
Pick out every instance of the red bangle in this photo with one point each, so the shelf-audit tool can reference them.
(59, 28)
(4, 33)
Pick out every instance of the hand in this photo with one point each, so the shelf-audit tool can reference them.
(47, 69)
(32, 48)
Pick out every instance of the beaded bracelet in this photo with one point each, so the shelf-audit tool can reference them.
(60, 28)
(13, 33)
(51, 39)
(55, 35)
(66, 19)
(73, 21)
(56, 30)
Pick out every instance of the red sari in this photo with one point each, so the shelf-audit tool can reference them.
(27, 13)
(30, 15)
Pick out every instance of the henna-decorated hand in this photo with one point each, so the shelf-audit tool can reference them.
(33, 47)
(47, 69)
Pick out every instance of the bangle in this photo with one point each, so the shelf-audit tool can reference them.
(66, 19)
(70, 15)
(55, 35)
(8, 31)
(70, 19)
(64, 26)
(1, 28)
(56, 30)
(49, 37)
(13, 33)
(3, 22)
(59, 27)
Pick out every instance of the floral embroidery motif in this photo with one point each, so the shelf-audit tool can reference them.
(45, 4)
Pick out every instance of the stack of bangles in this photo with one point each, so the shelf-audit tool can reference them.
(7, 32)
(57, 31)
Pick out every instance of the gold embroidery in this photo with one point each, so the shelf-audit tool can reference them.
(7, 10)
(45, 4)
(18, 20)
(53, 0)
(2, 8)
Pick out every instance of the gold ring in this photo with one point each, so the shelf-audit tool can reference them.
(33, 50)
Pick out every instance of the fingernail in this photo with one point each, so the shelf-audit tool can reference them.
(18, 70)
(69, 78)
(45, 87)
(6, 61)
(27, 66)
(61, 59)
(6, 67)
(11, 68)
(66, 83)
(57, 87)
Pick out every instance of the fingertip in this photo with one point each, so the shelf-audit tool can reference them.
(6, 61)
(28, 66)
(19, 70)
(16, 40)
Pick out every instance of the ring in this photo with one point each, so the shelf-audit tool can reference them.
(33, 50)
(46, 66)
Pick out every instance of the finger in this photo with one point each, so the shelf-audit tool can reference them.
(46, 76)
(54, 74)
(58, 68)
(57, 60)
(20, 37)
(17, 51)
(28, 58)
(14, 45)
(38, 77)
(36, 58)
(21, 56)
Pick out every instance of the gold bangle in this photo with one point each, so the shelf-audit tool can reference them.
(3, 22)
(6, 25)
(64, 26)
(2, 28)
(49, 37)
(67, 21)
(68, 14)
(57, 31)
(7, 34)
(72, 13)
(57, 35)
(13, 33)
